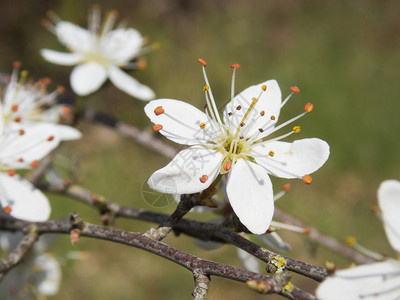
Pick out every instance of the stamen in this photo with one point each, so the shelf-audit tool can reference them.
(264, 87)
(296, 129)
(286, 187)
(7, 209)
(50, 138)
(157, 127)
(202, 125)
(227, 165)
(295, 89)
(308, 107)
(238, 107)
(260, 129)
(272, 118)
(61, 89)
(307, 179)
(34, 164)
(202, 61)
(14, 107)
(20, 160)
(21, 132)
(203, 178)
(109, 23)
(235, 66)
(66, 109)
(271, 153)
(11, 172)
(17, 119)
(158, 110)
(262, 113)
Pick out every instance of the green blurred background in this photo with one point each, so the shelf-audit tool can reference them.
(345, 57)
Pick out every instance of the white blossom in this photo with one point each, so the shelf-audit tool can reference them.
(236, 146)
(98, 54)
(379, 280)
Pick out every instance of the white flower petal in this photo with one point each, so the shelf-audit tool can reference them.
(26, 202)
(291, 160)
(75, 37)
(49, 279)
(182, 175)
(36, 142)
(181, 122)
(389, 203)
(249, 262)
(87, 78)
(121, 45)
(129, 84)
(61, 58)
(68, 133)
(250, 194)
(269, 102)
(379, 281)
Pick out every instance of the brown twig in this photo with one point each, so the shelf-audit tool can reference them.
(16, 255)
(188, 261)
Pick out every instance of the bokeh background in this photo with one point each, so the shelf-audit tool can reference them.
(345, 57)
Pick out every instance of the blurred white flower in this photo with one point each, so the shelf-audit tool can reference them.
(28, 102)
(99, 54)
(374, 281)
(235, 147)
(22, 147)
(37, 275)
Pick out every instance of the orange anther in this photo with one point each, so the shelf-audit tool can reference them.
(46, 80)
(235, 66)
(141, 65)
(34, 163)
(307, 230)
(307, 179)
(50, 138)
(66, 109)
(61, 89)
(159, 110)
(202, 61)
(7, 209)
(295, 89)
(11, 172)
(227, 165)
(286, 187)
(45, 22)
(14, 107)
(272, 118)
(20, 160)
(308, 107)
(17, 119)
(157, 127)
(21, 132)
(203, 178)
(271, 153)
(17, 64)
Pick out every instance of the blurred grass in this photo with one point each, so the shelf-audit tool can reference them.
(345, 57)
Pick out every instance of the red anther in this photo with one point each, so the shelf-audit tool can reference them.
(46, 80)
(17, 119)
(14, 107)
(11, 172)
(7, 209)
(61, 89)
(308, 107)
(157, 127)
(286, 187)
(203, 178)
(50, 138)
(295, 89)
(158, 110)
(66, 109)
(21, 132)
(45, 22)
(307, 179)
(202, 61)
(17, 64)
(235, 66)
(34, 163)
(227, 165)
